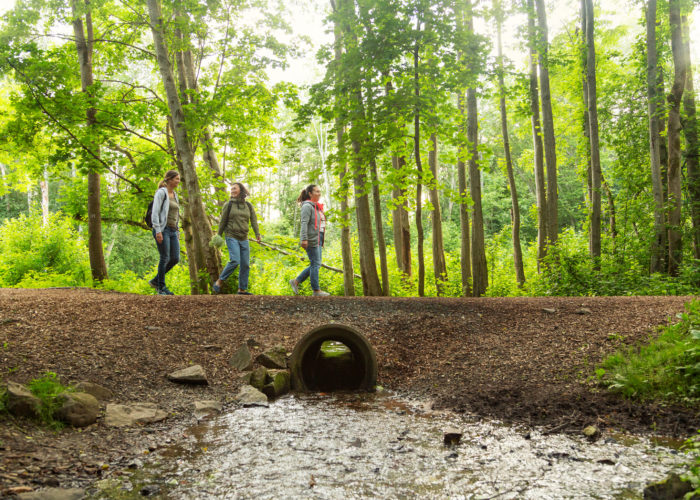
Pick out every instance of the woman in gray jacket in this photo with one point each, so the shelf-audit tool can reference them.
(313, 230)
(165, 218)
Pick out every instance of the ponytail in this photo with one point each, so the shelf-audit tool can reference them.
(170, 174)
(306, 193)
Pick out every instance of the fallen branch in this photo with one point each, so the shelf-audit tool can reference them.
(284, 252)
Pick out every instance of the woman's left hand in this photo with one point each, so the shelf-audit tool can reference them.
(259, 239)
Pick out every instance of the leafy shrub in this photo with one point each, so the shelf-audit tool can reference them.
(668, 367)
(47, 388)
(36, 255)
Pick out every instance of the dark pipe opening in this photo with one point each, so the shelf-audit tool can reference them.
(333, 358)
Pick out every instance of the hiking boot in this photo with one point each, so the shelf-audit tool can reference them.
(243, 292)
(320, 293)
(165, 291)
(295, 286)
(152, 283)
(216, 288)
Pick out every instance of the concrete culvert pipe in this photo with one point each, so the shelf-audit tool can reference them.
(333, 358)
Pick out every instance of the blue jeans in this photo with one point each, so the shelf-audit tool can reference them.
(169, 250)
(238, 253)
(311, 272)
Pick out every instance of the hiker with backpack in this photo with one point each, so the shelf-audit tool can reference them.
(236, 216)
(164, 221)
(313, 230)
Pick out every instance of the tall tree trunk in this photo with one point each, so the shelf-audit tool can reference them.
(419, 169)
(690, 130)
(463, 153)
(537, 140)
(368, 263)
(195, 259)
(658, 246)
(479, 268)
(400, 222)
(379, 226)
(515, 208)
(439, 263)
(465, 236)
(593, 135)
(84, 44)
(345, 242)
(548, 127)
(675, 250)
(182, 143)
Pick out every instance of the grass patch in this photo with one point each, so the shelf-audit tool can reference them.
(666, 369)
(47, 388)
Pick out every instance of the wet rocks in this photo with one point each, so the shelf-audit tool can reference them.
(242, 359)
(250, 396)
(275, 358)
(207, 407)
(258, 378)
(591, 432)
(21, 402)
(278, 382)
(119, 415)
(668, 489)
(191, 375)
(78, 409)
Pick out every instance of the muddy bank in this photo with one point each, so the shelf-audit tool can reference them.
(503, 357)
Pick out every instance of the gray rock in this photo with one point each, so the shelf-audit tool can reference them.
(278, 383)
(250, 396)
(275, 358)
(252, 343)
(117, 415)
(54, 494)
(245, 378)
(21, 402)
(583, 310)
(208, 407)
(549, 310)
(670, 488)
(191, 375)
(258, 378)
(242, 359)
(100, 392)
(78, 409)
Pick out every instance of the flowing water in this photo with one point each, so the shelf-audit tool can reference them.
(379, 446)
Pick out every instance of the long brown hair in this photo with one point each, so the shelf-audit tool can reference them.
(306, 193)
(170, 174)
(243, 193)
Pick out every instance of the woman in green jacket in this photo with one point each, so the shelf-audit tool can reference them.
(236, 216)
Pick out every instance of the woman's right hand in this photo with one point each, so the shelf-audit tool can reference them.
(304, 243)
(159, 237)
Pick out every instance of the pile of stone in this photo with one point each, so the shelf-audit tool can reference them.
(271, 379)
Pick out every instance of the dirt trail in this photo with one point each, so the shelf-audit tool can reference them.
(505, 358)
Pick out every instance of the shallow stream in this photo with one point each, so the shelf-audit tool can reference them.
(379, 446)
